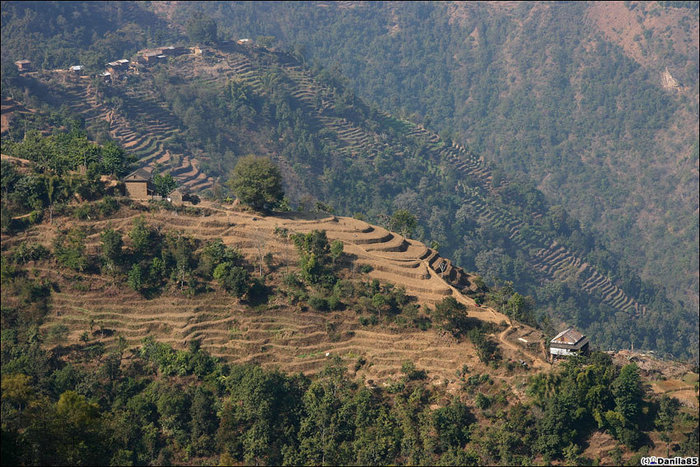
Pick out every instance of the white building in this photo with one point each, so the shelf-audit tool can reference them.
(568, 342)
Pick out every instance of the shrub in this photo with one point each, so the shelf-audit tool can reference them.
(281, 232)
(482, 401)
(343, 289)
(412, 373)
(318, 303)
(135, 278)
(368, 320)
(69, 249)
(30, 252)
(35, 217)
(234, 279)
(292, 280)
(486, 349)
(334, 303)
(108, 206)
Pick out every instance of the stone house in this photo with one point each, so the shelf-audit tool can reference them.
(139, 185)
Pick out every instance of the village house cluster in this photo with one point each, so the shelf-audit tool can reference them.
(144, 58)
(139, 186)
(119, 69)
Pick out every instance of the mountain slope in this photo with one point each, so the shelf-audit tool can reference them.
(575, 96)
(195, 115)
(279, 334)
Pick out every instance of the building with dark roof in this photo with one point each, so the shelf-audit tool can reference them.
(568, 342)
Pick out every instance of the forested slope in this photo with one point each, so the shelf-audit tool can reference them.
(575, 96)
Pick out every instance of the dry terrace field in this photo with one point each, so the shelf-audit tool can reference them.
(277, 334)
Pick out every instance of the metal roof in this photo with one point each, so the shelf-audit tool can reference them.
(569, 336)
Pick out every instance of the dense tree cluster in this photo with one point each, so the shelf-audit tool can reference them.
(164, 405)
(64, 166)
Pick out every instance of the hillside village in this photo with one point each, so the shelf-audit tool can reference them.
(122, 68)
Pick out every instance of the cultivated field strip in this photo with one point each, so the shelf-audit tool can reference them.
(554, 261)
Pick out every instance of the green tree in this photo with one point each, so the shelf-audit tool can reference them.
(215, 253)
(111, 248)
(668, 409)
(336, 250)
(164, 184)
(451, 316)
(202, 29)
(628, 392)
(257, 182)
(234, 279)
(204, 421)
(79, 420)
(486, 348)
(144, 238)
(403, 222)
(115, 160)
(451, 424)
(136, 278)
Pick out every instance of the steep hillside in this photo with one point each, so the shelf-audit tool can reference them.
(336, 148)
(573, 95)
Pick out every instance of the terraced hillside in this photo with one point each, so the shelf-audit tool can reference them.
(317, 132)
(135, 117)
(10, 109)
(278, 334)
(551, 260)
